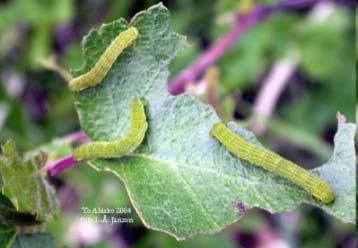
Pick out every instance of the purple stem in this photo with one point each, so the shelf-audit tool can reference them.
(293, 5)
(79, 136)
(218, 49)
(55, 167)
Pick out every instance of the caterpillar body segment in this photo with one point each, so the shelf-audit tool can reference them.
(272, 162)
(97, 73)
(121, 147)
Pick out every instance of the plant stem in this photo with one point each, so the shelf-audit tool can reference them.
(218, 49)
(271, 91)
(78, 136)
(55, 167)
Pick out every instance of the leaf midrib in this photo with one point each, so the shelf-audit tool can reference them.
(186, 185)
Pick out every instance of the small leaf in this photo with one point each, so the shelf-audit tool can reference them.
(15, 218)
(7, 237)
(180, 180)
(11, 217)
(35, 240)
(25, 184)
(7, 230)
(4, 201)
(55, 149)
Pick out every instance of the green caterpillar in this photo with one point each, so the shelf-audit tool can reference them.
(138, 128)
(105, 62)
(121, 147)
(272, 162)
(235, 144)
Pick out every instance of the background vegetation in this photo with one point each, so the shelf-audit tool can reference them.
(40, 39)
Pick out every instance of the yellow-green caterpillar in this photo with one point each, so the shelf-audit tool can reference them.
(138, 128)
(272, 162)
(105, 62)
(121, 147)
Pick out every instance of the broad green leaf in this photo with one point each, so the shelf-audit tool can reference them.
(24, 182)
(180, 180)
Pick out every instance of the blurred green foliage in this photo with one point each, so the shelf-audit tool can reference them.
(36, 107)
(40, 16)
